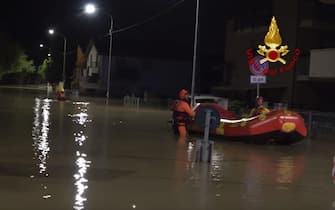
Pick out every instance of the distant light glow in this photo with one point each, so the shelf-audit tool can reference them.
(41, 45)
(134, 206)
(90, 8)
(49, 54)
(51, 31)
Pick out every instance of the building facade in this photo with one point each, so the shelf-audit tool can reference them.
(303, 25)
(133, 75)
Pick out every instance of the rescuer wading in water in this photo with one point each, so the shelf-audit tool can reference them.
(182, 113)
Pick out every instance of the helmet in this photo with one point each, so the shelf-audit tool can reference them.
(259, 98)
(182, 94)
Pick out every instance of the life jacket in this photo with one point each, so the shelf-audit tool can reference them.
(259, 110)
(180, 118)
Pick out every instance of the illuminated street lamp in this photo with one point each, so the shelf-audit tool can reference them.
(52, 32)
(91, 9)
(42, 46)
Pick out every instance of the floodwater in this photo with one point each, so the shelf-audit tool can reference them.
(85, 154)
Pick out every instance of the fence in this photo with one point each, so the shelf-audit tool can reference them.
(319, 124)
(131, 101)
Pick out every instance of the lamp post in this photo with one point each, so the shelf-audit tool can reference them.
(195, 52)
(51, 32)
(109, 56)
(91, 9)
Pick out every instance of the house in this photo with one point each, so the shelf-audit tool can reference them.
(133, 75)
(93, 75)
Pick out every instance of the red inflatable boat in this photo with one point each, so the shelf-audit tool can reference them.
(278, 126)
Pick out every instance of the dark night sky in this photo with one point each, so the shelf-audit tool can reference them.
(169, 35)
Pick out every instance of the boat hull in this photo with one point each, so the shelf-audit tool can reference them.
(278, 126)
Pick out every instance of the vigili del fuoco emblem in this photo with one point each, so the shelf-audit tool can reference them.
(272, 41)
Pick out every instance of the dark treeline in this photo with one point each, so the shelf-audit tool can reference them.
(17, 68)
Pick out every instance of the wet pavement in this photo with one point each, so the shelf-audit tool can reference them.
(84, 154)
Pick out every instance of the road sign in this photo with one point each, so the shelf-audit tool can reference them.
(259, 79)
(200, 117)
(257, 68)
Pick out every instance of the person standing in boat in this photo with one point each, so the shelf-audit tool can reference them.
(259, 108)
(182, 112)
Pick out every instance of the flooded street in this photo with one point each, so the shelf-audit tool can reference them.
(84, 154)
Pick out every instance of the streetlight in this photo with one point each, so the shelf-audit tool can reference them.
(42, 46)
(91, 9)
(195, 51)
(51, 32)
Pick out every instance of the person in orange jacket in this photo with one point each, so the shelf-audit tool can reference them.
(182, 112)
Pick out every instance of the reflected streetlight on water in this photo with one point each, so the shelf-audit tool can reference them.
(40, 135)
(82, 163)
(333, 177)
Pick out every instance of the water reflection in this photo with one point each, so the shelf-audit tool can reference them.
(82, 162)
(216, 166)
(290, 168)
(198, 173)
(184, 159)
(333, 177)
(282, 170)
(285, 170)
(80, 180)
(40, 132)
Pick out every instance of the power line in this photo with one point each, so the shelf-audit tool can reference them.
(158, 14)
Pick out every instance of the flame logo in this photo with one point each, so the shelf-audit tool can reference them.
(272, 40)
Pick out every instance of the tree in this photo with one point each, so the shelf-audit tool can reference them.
(8, 54)
(13, 58)
(43, 68)
(22, 64)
